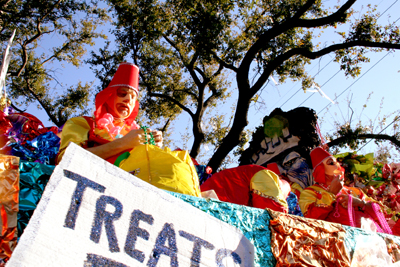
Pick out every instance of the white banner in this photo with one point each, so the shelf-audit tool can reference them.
(95, 214)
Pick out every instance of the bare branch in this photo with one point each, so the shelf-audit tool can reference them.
(223, 63)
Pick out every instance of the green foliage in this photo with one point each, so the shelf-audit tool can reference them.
(349, 136)
(71, 26)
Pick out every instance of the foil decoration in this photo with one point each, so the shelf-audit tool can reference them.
(9, 189)
(33, 179)
(299, 241)
(42, 149)
(293, 205)
(251, 221)
(352, 234)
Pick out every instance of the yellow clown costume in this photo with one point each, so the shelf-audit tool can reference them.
(318, 202)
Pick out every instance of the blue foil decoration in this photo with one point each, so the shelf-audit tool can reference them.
(253, 222)
(42, 149)
(293, 205)
(33, 179)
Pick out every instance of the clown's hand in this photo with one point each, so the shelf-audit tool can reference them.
(343, 199)
(158, 139)
(135, 138)
(336, 185)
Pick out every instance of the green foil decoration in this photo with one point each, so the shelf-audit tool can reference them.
(254, 224)
(33, 179)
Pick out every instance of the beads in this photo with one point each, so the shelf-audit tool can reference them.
(151, 141)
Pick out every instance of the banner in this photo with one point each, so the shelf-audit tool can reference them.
(95, 214)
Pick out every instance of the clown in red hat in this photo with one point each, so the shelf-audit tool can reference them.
(328, 199)
(112, 130)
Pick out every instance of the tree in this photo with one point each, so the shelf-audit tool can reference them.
(62, 28)
(187, 48)
(355, 133)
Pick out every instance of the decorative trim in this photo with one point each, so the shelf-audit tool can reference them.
(125, 85)
(255, 191)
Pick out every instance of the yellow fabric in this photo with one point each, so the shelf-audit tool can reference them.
(267, 182)
(75, 130)
(308, 197)
(170, 170)
(295, 186)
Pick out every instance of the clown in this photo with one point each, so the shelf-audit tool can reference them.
(328, 199)
(112, 130)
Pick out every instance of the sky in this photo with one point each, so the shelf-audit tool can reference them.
(379, 81)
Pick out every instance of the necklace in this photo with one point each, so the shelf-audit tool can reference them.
(151, 141)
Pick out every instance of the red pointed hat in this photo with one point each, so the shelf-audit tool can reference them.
(127, 75)
(318, 155)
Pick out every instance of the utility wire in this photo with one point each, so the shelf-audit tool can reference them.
(355, 81)
(336, 72)
(320, 87)
(380, 15)
(313, 77)
(395, 119)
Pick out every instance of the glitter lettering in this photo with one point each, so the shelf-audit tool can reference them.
(223, 253)
(134, 232)
(82, 184)
(97, 260)
(198, 243)
(167, 233)
(101, 215)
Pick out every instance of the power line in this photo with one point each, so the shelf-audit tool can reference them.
(355, 81)
(335, 73)
(301, 88)
(321, 87)
(380, 15)
(395, 119)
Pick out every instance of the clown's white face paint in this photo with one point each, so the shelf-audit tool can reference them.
(124, 103)
(332, 167)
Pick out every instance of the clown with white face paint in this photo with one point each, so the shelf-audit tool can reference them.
(328, 199)
(112, 130)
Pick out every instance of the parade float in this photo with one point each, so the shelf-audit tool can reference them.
(86, 211)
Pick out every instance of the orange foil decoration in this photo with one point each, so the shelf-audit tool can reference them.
(9, 193)
(299, 241)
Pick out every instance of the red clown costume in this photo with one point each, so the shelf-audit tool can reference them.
(86, 132)
(250, 185)
(318, 202)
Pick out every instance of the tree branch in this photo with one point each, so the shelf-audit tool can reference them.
(303, 9)
(43, 104)
(173, 100)
(223, 63)
(313, 55)
(189, 66)
(339, 15)
(343, 140)
(291, 23)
